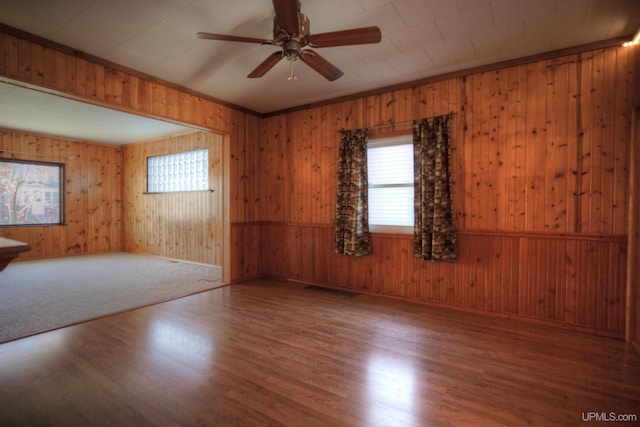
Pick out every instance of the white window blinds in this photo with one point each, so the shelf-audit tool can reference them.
(390, 169)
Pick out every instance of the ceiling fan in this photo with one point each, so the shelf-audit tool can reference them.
(291, 32)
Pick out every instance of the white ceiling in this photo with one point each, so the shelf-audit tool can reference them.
(39, 112)
(420, 39)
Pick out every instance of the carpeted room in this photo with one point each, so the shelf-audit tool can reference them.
(43, 295)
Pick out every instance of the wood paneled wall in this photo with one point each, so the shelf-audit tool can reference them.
(541, 157)
(93, 190)
(69, 72)
(186, 226)
(541, 147)
(541, 174)
(29, 60)
(547, 278)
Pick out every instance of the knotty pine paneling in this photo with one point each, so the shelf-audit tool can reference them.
(184, 225)
(66, 72)
(247, 240)
(540, 168)
(73, 75)
(243, 165)
(539, 147)
(93, 195)
(574, 281)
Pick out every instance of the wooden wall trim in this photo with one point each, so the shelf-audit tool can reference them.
(542, 235)
(537, 234)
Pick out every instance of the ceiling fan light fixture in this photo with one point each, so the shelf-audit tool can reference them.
(291, 75)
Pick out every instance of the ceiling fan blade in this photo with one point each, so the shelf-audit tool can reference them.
(321, 65)
(266, 65)
(362, 35)
(228, 38)
(287, 15)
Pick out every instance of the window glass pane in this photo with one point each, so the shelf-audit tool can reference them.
(31, 193)
(390, 169)
(391, 206)
(187, 171)
(390, 164)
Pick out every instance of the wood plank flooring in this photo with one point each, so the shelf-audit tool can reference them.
(268, 353)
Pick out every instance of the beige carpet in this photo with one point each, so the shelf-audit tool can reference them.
(37, 296)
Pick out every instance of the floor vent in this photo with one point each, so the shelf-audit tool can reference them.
(332, 291)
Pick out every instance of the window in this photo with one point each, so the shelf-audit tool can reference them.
(186, 171)
(390, 170)
(31, 193)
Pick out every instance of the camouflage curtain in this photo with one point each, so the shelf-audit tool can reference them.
(434, 229)
(352, 211)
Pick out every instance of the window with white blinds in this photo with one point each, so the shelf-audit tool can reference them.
(390, 169)
(185, 171)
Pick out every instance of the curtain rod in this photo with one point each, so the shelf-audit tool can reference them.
(392, 123)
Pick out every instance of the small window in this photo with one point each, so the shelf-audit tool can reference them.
(186, 171)
(390, 170)
(31, 193)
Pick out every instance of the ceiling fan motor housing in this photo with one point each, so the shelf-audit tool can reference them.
(292, 49)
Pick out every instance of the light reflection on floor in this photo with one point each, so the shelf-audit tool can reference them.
(179, 340)
(391, 391)
(44, 343)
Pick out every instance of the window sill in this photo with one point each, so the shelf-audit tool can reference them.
(391, 229)
(178, 192)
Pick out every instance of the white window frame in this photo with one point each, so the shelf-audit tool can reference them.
(385, 142)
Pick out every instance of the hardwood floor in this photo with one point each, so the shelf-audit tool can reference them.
(272, 353)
